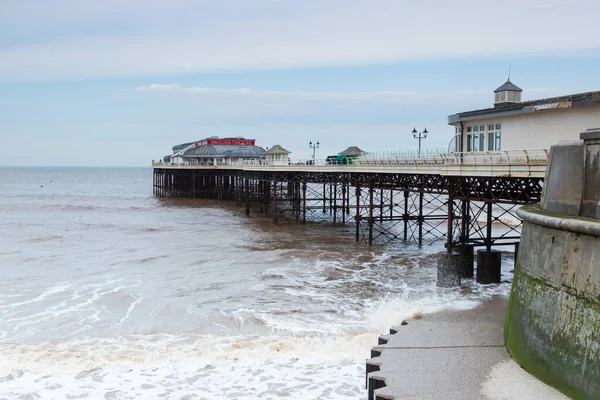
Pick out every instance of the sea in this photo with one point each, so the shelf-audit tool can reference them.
(107, 292)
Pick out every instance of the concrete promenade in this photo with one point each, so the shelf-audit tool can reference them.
(452, 355)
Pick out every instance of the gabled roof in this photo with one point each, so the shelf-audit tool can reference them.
(352, 151)
(277, 149)
(508, 85)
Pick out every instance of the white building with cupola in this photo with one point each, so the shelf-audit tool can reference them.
(512, 124)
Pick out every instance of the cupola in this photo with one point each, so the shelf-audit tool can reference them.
(509, 93)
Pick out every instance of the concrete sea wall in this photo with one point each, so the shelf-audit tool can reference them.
(552, 327)
(553, 321)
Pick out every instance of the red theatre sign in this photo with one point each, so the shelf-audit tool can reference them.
(227, 142)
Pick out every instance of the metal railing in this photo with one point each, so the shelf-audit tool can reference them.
(537, 157)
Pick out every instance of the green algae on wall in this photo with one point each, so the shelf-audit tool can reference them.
(553, 321)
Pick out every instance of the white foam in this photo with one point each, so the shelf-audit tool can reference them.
(329, 367)
(508, 381)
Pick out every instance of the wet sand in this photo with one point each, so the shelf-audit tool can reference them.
(453, 355)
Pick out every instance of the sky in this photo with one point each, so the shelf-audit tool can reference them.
(119, 82)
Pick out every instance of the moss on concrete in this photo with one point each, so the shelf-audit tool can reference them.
(565, 354)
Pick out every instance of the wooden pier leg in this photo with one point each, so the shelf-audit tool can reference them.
(357, 216)
(371, 190)
(421, 218)
(304, 202)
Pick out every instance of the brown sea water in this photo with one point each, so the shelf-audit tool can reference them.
(108, 292)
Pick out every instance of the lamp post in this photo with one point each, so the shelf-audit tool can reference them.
(314, 147)
(420, 136)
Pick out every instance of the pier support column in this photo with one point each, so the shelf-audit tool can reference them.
(448, 266)
(193, 184)
(335, 206)
(275, 202)
(371, 215)
(324, 198)
(357, 215)
(303, 202)
(343, 203)
(467, 261)
(405, 215)
(488, 266)
(420, 218)
(247, 194)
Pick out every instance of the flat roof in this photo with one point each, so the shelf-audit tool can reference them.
(524, 107)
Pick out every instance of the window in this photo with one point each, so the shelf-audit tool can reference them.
(482, 142)
(494, 137)
(469, 141)
(475, 142)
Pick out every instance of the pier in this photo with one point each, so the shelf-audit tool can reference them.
(466, 200)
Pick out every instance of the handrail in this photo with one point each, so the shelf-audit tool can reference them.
(490, 158)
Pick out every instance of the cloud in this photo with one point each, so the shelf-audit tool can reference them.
(350, 105)
(74, 40)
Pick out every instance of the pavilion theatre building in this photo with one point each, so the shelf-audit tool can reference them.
(513, 124)
(216, 151)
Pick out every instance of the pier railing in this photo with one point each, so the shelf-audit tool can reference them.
(505, 157)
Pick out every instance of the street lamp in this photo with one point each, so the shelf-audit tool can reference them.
(420, 136)
(313, 147)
